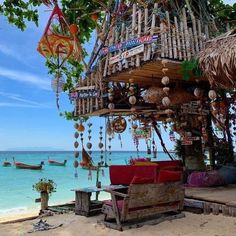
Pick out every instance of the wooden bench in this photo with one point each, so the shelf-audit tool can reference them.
(142, 201)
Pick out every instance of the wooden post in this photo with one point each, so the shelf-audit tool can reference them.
(145, 32)
(44, 200)
(174, 43)
(206, 32)
(127, 38)
(192, 49)
(162, 40)
(183, 40)
(139, 35)
(133, 28)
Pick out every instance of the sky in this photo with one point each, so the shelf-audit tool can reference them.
(29, 118)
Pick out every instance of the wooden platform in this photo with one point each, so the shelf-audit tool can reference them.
(148, 221)
(214, 200)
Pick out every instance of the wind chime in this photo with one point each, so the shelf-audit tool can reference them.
(76, 152)
(110, 135)
(100, 146)
(89, 144)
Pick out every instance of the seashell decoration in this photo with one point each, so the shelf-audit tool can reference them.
(111, 106)
(132, 100)
(165, 80)
(76, 163)
(89, 145)
(212, 94)
(76, 135)
(100, 145)
(76, 144)
(166, 90)
(166, 101)
(197, 92)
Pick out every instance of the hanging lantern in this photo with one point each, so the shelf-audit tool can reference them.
(197, 92)
(165, 80)
(166, 90)
(74, 28)
(132, 100)
(111, 106)
(80, 128)
(212, 94)
(166, 101)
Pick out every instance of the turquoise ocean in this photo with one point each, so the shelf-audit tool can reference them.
(17, 195)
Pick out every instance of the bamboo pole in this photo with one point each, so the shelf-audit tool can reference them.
(122, 40)
(191, 37)
(179, 50)
(183, 40)
(88, 99)
(100, 85)
(162, 40)
(199, 34)
(145, 32)
(174, 43)
(139, 35)
(133, 28)
(169, 35)
(127, 38)
(186, 33)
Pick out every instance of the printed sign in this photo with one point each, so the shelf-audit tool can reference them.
(92, 93)
(127, 54)
(128, 44)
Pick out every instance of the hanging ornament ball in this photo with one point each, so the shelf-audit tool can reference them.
(166, 101)
(166, 90)
(76, 154)
(76, 144)
(212, 94)
(111, 106)
(134, 126)
(89, 145)
(100, 145)
(197, 92)
(132, 100)
(74, 28)
(76, 164)
(94, 17)
(165, 80)
(76, 135)
(58, 83)
(80, 128)
(76, 125)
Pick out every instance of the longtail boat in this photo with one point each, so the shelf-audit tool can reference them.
(56, 163)
(6, 163)
(87, 162)
(21, 165)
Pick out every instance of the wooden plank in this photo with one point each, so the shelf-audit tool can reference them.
(174, 42)
(162, 40)
(179, 50)
(192, 48)
(183, 50)
(139, 35)
(199, 34)
(186, 34)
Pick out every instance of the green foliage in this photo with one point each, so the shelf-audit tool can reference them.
(45, 185)
(70, 116)
(190, 67)
(18, 12)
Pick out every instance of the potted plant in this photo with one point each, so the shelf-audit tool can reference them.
(45, 187)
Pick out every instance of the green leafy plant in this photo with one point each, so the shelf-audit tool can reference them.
(190, 67)
(45, 185)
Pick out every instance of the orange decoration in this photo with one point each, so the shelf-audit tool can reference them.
(80, 128)
(94, 17)
(74, 28)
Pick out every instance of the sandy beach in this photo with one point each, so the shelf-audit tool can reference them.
(73, 225)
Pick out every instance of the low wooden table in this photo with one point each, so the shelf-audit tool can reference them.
(83, 203)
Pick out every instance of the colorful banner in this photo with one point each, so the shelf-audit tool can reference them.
(127, 54)
(128, 44)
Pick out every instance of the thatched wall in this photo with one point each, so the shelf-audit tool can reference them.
(218, 60)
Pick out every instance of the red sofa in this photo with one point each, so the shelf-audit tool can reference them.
(164, 171)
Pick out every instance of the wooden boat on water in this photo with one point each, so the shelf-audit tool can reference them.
(6, 163)
(21, 165)
(56, 163)
(87, 162)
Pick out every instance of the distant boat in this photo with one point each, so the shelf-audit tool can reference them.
(87, 162)
(6, 163)
(20, 165)
(56, 163)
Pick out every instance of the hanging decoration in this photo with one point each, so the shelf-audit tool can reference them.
(119, 125)
(100, 146)
(89, 144)
(76, 152)
(57, 85)
(148, 143)
(57, 42)
(154, 147)
(132, 98)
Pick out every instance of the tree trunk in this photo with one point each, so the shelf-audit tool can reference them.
(44, 200)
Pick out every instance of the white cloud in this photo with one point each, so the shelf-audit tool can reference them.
(23, 102)
(28, 78)
(10, 52)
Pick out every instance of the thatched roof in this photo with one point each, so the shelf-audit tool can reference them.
(218, 60)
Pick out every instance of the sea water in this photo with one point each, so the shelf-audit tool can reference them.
(17, 194)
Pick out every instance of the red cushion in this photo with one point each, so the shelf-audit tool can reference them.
(121, 174)
(169, 176)
(140, 180)
(118, 202)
